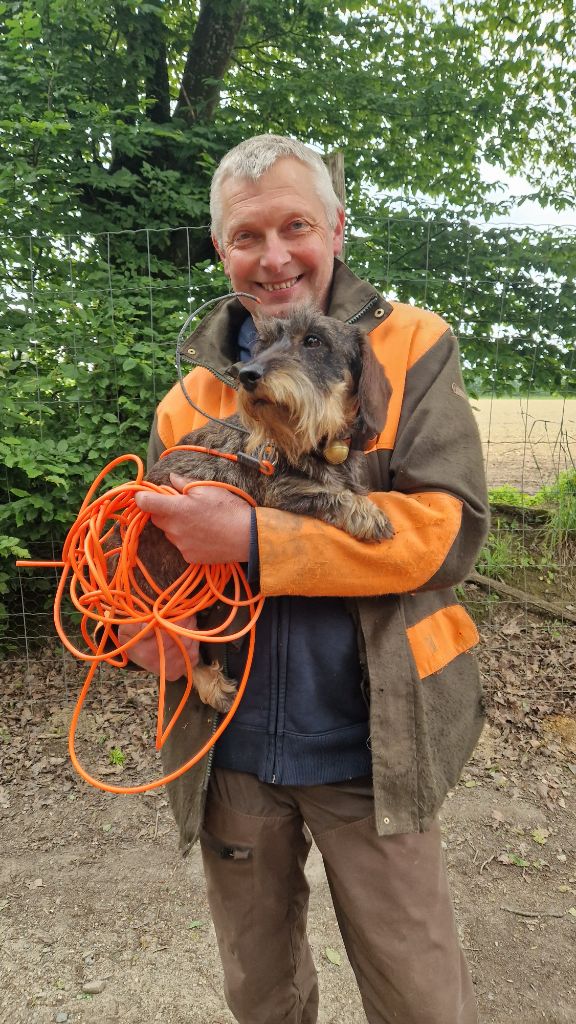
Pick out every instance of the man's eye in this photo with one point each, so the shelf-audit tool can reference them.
(312, 341)
(242, 236)
(298, 225)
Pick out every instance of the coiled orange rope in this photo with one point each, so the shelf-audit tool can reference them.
(109, 600)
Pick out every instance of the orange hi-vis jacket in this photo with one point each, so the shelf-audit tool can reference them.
(415, 640)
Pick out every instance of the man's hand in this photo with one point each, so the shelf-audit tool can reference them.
(208, 525)
(145, 651)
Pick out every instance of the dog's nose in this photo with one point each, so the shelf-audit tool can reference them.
(250, 375)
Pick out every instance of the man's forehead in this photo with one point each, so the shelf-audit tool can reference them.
(287, 171)
(277, 189)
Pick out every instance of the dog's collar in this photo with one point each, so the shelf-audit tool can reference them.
(337, 451)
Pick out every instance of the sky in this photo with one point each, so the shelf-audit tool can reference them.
(530, 213)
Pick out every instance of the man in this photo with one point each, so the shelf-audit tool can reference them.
(363, 702)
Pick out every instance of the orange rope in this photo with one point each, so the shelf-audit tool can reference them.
(111, 601)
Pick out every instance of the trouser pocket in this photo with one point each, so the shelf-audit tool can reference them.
(228, 869)
(225, 851)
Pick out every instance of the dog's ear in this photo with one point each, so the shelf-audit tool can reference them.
(373, 393)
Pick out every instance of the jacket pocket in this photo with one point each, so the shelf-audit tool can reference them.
(439, 638)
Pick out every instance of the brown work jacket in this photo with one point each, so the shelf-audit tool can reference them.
(415, 639)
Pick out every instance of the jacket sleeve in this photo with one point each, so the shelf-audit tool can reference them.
(437, 502)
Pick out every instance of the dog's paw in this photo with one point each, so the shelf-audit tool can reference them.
(214, 688)
(366, 521)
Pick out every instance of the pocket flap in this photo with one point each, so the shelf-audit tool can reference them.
(441, 637)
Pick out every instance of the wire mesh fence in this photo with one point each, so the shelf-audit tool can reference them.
(87, 349)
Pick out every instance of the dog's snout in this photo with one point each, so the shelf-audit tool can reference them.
(233, 370)
(250, 375)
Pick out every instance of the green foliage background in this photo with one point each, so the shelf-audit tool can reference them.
(114, 115)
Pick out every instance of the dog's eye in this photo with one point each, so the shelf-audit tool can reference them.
(312, 341)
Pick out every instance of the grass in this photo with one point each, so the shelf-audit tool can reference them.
(538, 556)
(559, 498)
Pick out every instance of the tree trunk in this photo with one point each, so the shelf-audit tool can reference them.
(217, 28)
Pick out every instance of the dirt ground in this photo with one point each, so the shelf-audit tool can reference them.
(102, 921)
(527, 442)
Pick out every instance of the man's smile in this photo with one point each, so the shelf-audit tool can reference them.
(279, 286)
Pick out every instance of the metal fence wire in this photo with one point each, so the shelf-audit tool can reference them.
(87, 350)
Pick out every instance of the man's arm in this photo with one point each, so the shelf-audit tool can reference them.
(438, 506)
(438, 503)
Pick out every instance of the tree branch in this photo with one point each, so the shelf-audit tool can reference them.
(535, 604)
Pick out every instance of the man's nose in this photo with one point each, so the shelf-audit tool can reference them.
(275, 254)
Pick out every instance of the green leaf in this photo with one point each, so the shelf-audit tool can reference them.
(515, 859)
(333, 956)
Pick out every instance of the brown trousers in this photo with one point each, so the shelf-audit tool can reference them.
(390, 895)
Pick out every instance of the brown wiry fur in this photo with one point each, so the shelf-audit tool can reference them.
(305, 414)
(311, 380)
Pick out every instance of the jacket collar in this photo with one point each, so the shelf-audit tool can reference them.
(355, 301)
(351, 299)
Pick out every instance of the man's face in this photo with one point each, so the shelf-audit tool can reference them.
(276, 241)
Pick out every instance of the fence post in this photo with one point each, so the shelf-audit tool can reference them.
(335, 164)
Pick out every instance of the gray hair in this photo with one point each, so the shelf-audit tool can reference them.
(253, 157)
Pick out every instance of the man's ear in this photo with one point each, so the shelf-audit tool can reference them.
(374, 393)
(221, 253)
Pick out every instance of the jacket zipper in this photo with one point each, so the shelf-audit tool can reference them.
(210, 758)
(215, 724)
(361, 312)
(279, 615)
(220, 375)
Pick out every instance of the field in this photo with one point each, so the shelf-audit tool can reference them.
(526, 441)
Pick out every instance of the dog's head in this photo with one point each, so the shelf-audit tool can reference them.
(311, 380)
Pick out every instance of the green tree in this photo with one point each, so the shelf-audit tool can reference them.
(114, 115)
(115, 112)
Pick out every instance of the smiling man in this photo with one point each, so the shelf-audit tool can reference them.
(363, 702)
(276, 238)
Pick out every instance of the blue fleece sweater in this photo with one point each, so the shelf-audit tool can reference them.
(303, 719)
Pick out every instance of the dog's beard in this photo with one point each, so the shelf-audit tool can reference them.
(288, 410)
